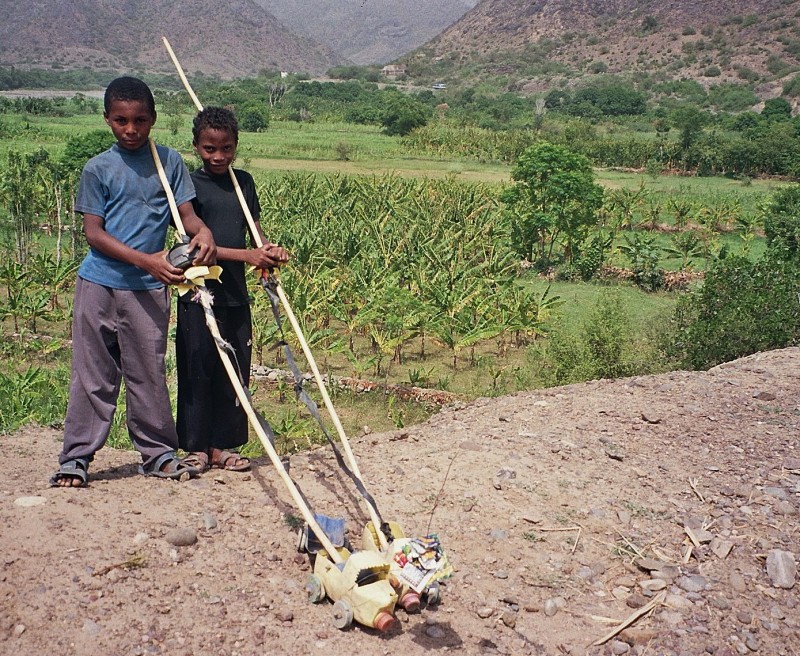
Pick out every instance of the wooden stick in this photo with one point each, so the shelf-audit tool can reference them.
(630, 544)
(205, 300)
(568, 528)
(693, 483)
(351, 461)
(173, 207)
(211, 322)
(182, 75)
(644, 610)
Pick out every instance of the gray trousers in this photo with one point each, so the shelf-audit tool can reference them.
(118, 334)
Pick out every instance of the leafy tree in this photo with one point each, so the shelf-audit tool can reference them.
(690, 122)
(554, 198)
(253, 118)
(402, 115)
(608, 99)
(777, 109)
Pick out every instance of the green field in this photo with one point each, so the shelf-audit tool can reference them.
(375, 229)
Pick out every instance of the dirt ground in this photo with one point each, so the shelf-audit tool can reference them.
(564, 512)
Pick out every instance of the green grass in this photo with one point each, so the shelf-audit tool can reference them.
(492, 368)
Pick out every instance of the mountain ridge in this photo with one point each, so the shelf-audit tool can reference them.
(242, 39)
(746, 41)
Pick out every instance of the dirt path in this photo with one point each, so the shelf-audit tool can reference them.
(543, 501)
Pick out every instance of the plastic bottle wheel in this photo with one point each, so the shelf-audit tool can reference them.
(315, 589)
(342, 614)
(433, 593)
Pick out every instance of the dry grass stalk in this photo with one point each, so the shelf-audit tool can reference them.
(644, 610)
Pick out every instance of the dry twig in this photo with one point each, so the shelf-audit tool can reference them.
(693, 483)
(644, 610)
(137, 560)
(566, 528)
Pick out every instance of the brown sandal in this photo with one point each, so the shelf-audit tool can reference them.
(198, 460)
(223, 461)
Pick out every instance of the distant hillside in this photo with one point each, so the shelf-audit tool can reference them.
(369, 31)
(228, 39)
(529, 45)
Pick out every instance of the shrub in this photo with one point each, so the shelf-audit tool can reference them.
(781, 216)
(743, 307)
(253, 118)
(601, 347)
(81, 148)
(402, 115)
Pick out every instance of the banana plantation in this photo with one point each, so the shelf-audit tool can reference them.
(386, 269)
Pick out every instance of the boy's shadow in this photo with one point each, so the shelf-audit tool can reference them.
(114, 473)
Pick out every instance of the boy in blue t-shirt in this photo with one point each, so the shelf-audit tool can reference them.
(121, 309)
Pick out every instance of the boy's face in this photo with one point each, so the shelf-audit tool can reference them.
(216, 148)
(130, 121)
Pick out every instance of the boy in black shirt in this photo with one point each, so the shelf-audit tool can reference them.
(210, 420)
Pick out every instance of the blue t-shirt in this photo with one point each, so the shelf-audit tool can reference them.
(123, 188)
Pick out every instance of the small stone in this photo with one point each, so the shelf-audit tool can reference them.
(653, 585)
(720, 602)
(781, 568)
(501, 574)
(209, 521)
(668, 573)
(140, 538)
(738, 583)
(434, 631)
(777, 613)
(777, 492)
(720, 547)
(636, 600)
(672, 618)
(678, 602)
(509, 618)
(181, 537)
(505, 474)
(620, 592)
(752, 643)
(553, 605)
(29, 502)
(19, 629)
(284, 615)
(90, 627)
(485, 612)
(693, 583)
(618, 647)
(744, 617)
(791, 463)
(498, 534)
(649, 564)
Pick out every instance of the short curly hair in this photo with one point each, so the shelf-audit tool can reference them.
(128, 88)
(215, 118)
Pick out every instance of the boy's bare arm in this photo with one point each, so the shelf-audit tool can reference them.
(268, 256)
(200, 234)
(154, 263)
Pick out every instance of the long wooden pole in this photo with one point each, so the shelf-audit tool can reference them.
(290, 314)
(211, 322)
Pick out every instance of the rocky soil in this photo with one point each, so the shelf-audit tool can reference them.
(668, 501)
